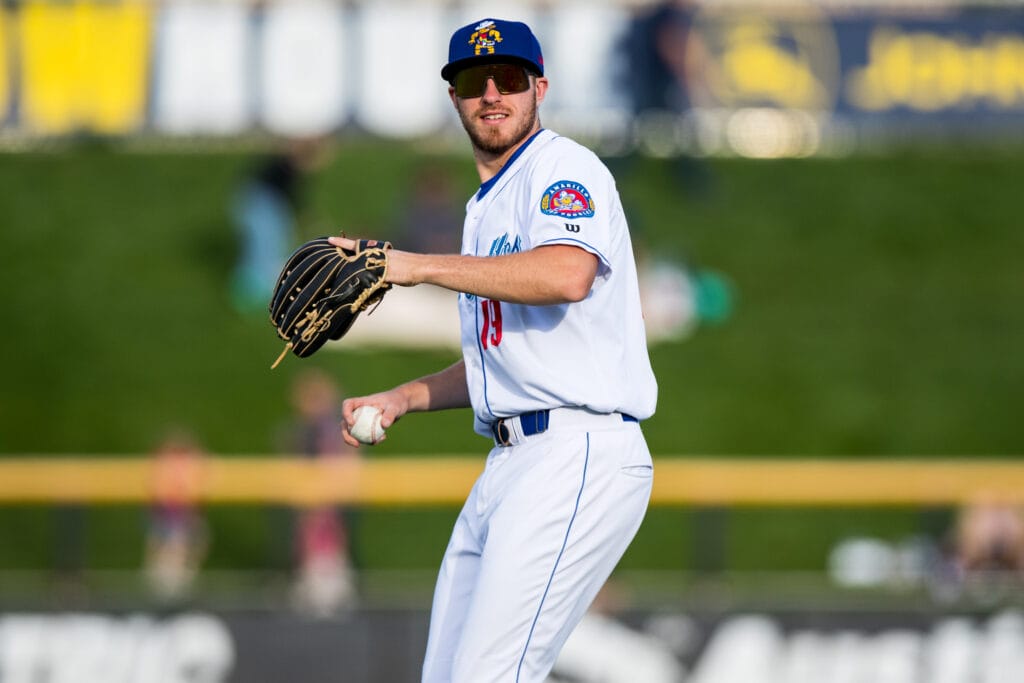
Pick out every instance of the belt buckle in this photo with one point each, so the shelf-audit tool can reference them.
(502, 434)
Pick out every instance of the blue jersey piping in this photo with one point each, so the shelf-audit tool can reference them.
(565, 541)
(568, 240)
(486, 186)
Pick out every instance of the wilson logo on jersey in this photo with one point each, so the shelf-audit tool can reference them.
(567, 198)
(502, 246)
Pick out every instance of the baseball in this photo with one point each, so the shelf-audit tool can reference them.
(366, 427)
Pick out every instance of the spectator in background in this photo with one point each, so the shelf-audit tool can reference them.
(982, 556)
(990, 538)
(266, 213)
(658, 51)
(433, 214)
(677, 296)
(177, 537)
(325, 582)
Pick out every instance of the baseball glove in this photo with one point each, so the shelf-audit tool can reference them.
(322, 289)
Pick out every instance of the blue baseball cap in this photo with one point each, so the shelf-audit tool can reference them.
(493, 40)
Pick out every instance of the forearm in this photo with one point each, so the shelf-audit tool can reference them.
(445, 389)
(440, 391)
(547, 275)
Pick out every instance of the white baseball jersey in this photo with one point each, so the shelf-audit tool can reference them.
(590, 354)
(552, 513)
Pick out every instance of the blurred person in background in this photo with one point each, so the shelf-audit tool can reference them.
(266, 212)
(677, 296)
(981, 558)
(657, 51)
(325, 581)
(425, 226)
(656, 46)
(177, 538)
(990, 538)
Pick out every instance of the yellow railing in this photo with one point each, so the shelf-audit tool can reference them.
(447, 480)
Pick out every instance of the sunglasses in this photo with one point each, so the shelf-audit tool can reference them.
(508, 79)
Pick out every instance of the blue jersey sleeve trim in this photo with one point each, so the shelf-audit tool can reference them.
(585, 245)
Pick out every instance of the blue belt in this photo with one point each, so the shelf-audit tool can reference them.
(535, 422)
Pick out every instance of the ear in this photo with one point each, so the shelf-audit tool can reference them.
(541, 88)
(451, 96)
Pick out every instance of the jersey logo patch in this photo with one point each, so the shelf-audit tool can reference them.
(567, 198)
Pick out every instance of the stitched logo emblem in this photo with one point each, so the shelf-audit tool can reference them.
(484, 38)
(567, 198)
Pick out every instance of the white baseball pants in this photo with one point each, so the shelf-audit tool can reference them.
(538, 536)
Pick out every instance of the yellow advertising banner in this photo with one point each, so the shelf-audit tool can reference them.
(84, 66)
(5, 79)
(757, 79)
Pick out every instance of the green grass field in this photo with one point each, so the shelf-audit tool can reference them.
(878, 313)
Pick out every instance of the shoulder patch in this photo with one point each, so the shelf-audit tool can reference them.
(567, 198)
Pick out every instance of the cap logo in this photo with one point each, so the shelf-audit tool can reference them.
(484, 38)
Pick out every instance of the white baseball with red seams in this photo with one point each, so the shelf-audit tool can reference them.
(366, 428)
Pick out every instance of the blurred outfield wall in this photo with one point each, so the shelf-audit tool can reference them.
(790, 78)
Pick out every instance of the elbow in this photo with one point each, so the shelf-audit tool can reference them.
(576, 270)
(579, 279)
(576, 287)
(577, 290)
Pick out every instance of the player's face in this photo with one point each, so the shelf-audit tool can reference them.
(504, 113)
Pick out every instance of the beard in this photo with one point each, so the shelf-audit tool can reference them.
(492, 140)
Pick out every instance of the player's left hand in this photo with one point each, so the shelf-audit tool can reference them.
(323, 288)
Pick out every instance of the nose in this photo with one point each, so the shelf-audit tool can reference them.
(491, 93)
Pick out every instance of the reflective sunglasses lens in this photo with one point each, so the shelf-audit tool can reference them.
(511, 79)
(508, 79)
(471, 82)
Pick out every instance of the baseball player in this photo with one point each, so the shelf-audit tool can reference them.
(554, 366)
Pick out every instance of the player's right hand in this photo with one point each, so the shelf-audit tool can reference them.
(392, 404)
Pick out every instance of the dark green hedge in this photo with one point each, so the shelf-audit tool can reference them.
(877, 312)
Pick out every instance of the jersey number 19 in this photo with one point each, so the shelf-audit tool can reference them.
(490, 332)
